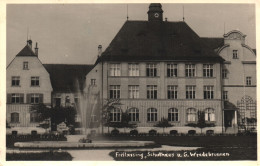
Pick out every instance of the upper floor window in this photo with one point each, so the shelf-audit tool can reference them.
(151, 91)
(225, 95)
(114, 91)
(35, 98)
(16, 81)
(151, 70)
(224, 73)
(93, 81)
(133, 91)
(207, 70)
(115, 69)
(190, 70)
(134, 114)
(172, 92)
(133, 69)
(235, 54)
(248, 80)
(25, 65)
(16, 98)
(115, 115)
(208, 92)
(15, 117)
(35, 81)
(173, 115)
(190, 92)
(172, 70)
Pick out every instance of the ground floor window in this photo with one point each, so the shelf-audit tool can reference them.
(152, 115)
(34, 117)
(134, 114)
(209, 115)
(15, 117)
(115, 115)
(173, 115)
(191, 115)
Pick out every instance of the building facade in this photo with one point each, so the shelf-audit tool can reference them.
(27, 84)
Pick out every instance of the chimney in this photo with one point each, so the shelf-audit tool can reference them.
(36, 49)
(99, 50)
(29, 43)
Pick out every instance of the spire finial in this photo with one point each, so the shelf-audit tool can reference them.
(127, 12)
(183, 19)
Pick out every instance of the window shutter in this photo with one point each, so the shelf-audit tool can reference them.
(21, 98)
(28, 98)
(9, 98)
(41, 98)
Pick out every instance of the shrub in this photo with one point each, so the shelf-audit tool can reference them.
(114, 132)
(209, 132)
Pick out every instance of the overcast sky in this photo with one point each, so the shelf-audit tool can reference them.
(71, 33)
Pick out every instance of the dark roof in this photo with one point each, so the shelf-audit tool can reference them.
(213, 42)
(147, 40)
(68, 78)
(26, 51)
(229, 106)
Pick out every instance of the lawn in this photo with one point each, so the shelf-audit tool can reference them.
(44, 156)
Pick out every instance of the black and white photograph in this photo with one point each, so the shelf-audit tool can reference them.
(151, 81)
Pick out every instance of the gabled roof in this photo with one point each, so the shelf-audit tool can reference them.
(213, 42)
(68, 78)
(26, 51)
(147, 40)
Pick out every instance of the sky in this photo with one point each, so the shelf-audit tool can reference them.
(71, 33)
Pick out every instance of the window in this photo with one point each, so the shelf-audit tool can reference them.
(16, 81)
(190, 92)
(25, 65)
(133, 91)
(67, 101)
(133, 69)
(93, 81)
(207, 70)
(35, 81)
(15, 117)
(224, 73)
(57, 102)
(76, 101)
(35, 98)
(114, 91)
(172, 92)
(191, 115)
(248, 81)
(225, 95)
(171, 70)
(209, 115)
(134, 114)
(93, 118)
(115, 69)
(34, 117)
(208, 92)
(151, 91)
(16, 98)
(151, 70)
(190, 70)
(173, 115)
(115, 115)
(152, 115)
(235, 54)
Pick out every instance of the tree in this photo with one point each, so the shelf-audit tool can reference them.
(44, 114)
(201, 123)
(163, 123)
(110, 104)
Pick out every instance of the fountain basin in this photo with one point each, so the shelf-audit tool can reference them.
(76, 145)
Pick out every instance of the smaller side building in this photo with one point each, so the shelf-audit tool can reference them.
(27, 83)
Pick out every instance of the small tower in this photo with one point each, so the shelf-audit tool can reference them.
(155, 12)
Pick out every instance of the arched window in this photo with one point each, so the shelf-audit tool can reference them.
(34, 117)
(152, 115)
(15, 117)
(173, 115)
(191, 115)
(209, 115)
(134, 114)
(115, 115)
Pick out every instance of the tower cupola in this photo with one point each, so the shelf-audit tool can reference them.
(155, 12)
